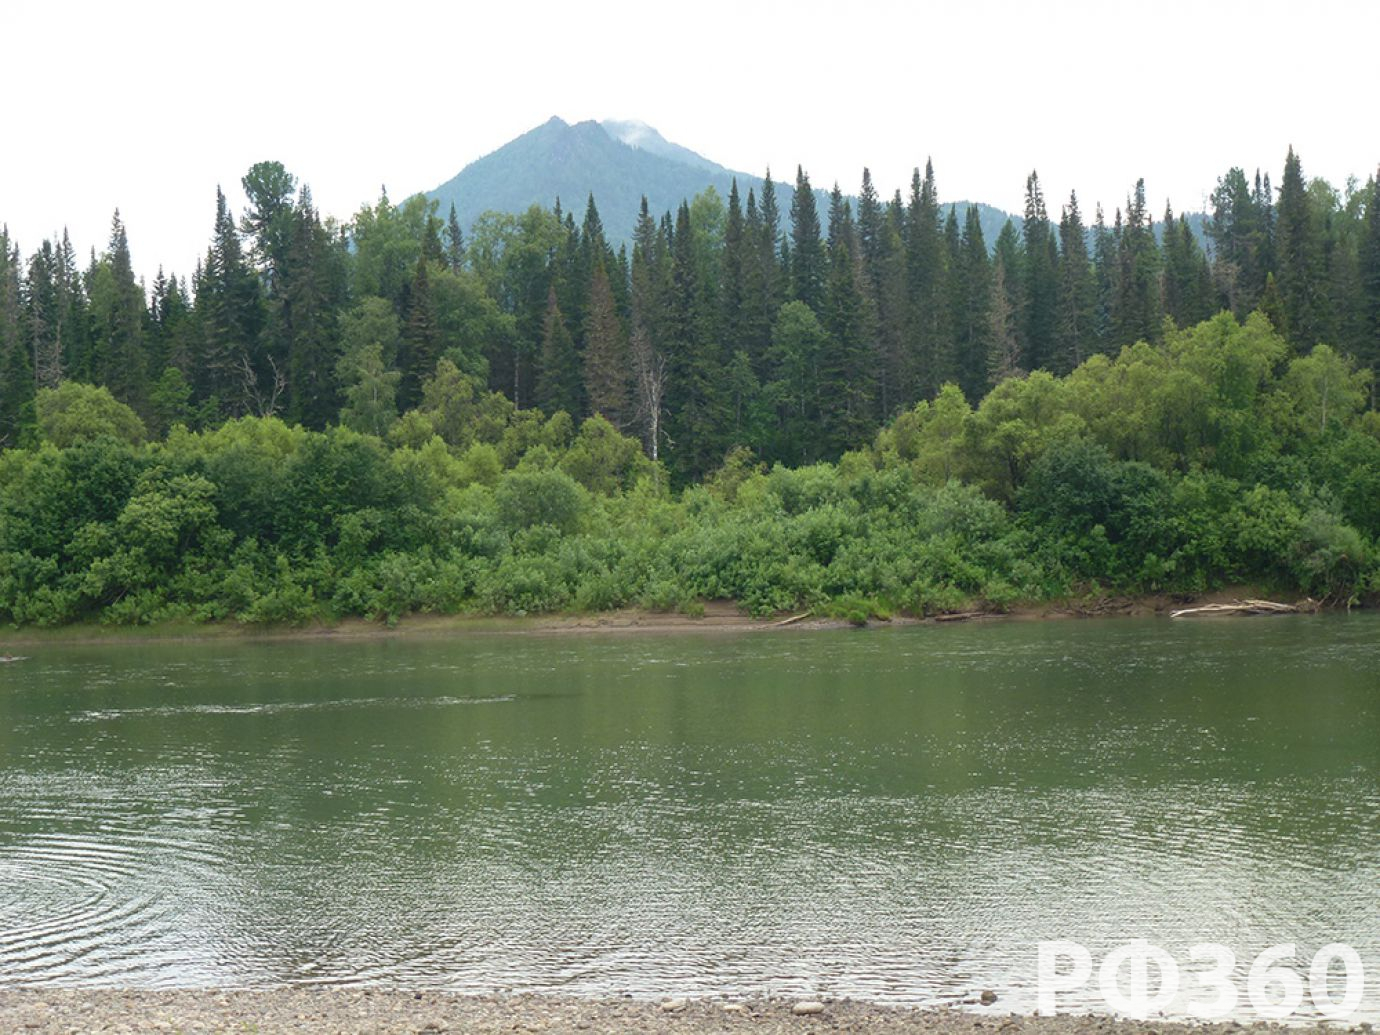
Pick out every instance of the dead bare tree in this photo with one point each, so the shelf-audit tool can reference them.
(264, 403)
(649, 376)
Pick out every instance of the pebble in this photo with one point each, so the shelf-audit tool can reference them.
(807, 1009)
(674, 1005)
(988, 997)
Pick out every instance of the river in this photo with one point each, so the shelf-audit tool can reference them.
(895, 815)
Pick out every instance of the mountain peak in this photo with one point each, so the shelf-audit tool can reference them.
(616, 161)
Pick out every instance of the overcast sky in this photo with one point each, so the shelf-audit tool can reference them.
(148, 105)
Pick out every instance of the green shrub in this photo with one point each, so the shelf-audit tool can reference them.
(528, 498)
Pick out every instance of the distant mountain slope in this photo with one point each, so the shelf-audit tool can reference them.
(618, 162)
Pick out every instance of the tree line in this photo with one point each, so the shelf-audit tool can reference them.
(1212, 458)
(757, 322)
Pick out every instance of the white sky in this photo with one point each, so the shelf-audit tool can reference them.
(147, 105)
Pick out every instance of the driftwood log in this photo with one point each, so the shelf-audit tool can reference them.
(1237, 607)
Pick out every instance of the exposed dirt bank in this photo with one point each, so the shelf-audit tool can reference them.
(719, 616)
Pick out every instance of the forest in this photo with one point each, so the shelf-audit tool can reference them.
(865, 412)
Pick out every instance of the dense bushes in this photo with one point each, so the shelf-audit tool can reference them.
(1213, 459)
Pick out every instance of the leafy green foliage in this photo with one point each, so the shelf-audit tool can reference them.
(1221, 469)
(75, 412)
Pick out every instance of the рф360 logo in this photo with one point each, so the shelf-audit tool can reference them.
(1274, 990)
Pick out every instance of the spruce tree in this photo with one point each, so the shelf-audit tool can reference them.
(455, 242)
(16, 373)
(1239, 232)
(1137, 311)
(43, 322)
(924, 244)
(1187, 282)
(880, 257)
(1105, 274)
(696, 425)
(1004, 347)
(591, 250)
(1369, 277)
(1040, 313)
(845, 380)
(1008, 303)
(421, 338)
(1075, 335)
(309, 317)
(558, 374)
(1271, 305)
(230, 315)
(75, 323)
(773, 245)
(762, 282)
(606, 368)
(889, 279)
(948, 368)
(973, 317)
(1267, 228)
(871, 229)
(1345, 228)
(807, 249)
(1298, 258)
(732, 316)
(119, 314)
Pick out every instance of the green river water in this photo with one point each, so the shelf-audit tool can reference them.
(897, 815)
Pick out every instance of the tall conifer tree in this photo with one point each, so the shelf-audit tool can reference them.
(697, 423)
(807, 248)
(1040, 314)
(455, 242)
(558, 374)
(1298, 258)
(1075, 335)
(973, 322)
(1369, 276)
(731, 273)
(421, 338)
(120, 319)
(606, 368)
(925, 286)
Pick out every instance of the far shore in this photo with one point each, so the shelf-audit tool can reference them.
(720, 616)
(340, 1010)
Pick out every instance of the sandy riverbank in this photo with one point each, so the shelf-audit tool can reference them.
(719, 616)
(380, 1011)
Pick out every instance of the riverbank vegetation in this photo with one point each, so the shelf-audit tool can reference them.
(1216, 456)
(389, 417)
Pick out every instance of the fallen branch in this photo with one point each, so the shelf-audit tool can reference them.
(793, 619)
(1237, 607)
(960, 616)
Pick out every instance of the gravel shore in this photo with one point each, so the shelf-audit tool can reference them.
(380, 1011)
